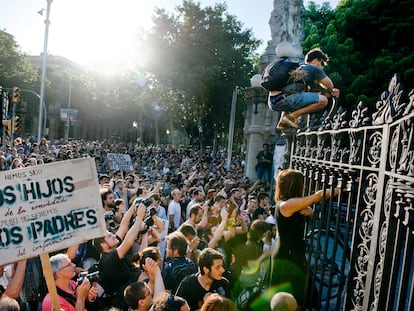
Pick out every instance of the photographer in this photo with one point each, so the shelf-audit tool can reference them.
(116, 272)
(71, 296)
(152, 223)
(152, 218)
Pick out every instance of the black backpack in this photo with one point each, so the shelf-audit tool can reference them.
(277, 74)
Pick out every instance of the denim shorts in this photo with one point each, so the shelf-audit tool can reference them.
(296, 101)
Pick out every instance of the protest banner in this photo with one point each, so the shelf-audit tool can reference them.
(120, 161)
(49, 207)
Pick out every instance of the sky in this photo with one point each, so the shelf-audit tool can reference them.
(99, 33)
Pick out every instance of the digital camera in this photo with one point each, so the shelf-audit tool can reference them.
(147, 201)
(92, 277)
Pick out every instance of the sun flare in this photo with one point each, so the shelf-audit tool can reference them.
(97, 33)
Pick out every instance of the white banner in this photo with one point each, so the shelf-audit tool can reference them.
(49, 207)
(120, 161)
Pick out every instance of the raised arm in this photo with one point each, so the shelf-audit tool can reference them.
(124, 225)
(81, 293)
(291, 206)
(132, 233)
(218, 234)
(156, 283)
(204, 220)
(16, 283)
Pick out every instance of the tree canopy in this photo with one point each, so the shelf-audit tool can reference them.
(367, 41)
(15, 68)
(194, 57)
(199, 55)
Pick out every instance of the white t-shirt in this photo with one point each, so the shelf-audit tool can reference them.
(6, 275)
(174, 208)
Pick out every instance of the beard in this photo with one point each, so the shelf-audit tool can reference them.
(210, 276)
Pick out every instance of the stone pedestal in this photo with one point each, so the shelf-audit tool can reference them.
(259, 126)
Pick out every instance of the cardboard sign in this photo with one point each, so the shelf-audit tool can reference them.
(120, 161)
(46, 208)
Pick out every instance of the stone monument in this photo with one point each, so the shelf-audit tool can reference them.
(260, 123)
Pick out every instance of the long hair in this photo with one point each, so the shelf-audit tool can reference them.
(289, 184)
(256, 230)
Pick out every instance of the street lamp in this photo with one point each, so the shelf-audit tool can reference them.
(67, 132)
(44, 61)
(231, 127)
(135, 126)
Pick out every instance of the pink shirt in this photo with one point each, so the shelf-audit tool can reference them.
(63, 303)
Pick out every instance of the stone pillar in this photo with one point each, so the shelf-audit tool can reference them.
(259, 126)
(260, 122)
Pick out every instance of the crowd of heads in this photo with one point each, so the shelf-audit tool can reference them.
(217, 212)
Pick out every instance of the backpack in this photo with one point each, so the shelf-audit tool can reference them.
(276, 75)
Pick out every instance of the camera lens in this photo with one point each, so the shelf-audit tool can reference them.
(92, 277)
(149, 221)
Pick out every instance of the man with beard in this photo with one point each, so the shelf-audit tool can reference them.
(209, 279)
(177, 266)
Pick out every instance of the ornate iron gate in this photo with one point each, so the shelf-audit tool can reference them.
(360, 244)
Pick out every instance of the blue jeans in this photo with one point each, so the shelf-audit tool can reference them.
(296, 101)
(263, 174)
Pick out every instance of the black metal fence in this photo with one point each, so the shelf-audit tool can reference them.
(360, 244)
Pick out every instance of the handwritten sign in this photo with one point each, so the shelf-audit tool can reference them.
(120, 161)
(49, 207)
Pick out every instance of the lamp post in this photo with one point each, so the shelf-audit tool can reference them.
(135, 126)
(231, 127)
(69, 112)
(44, 61)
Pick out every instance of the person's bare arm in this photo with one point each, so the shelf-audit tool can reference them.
(218, 234)
(158, 223)
(81, 293)
(124, 226)
(154, 236)
(71, 251)
(291, 206)
(16, 283)
(243, 225)
(326, 83)
(156, 283)
(132, 233)
(204, 220)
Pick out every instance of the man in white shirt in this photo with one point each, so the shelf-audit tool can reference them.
(196, 197)
(174, 210)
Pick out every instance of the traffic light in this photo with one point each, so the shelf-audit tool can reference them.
(17, 124)
(7, 127)
(16, 95)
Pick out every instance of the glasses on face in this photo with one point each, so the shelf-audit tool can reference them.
(65, 266)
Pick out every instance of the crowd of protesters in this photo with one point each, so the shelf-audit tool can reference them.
(180, 227)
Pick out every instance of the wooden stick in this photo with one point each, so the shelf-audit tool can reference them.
(50, 281)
